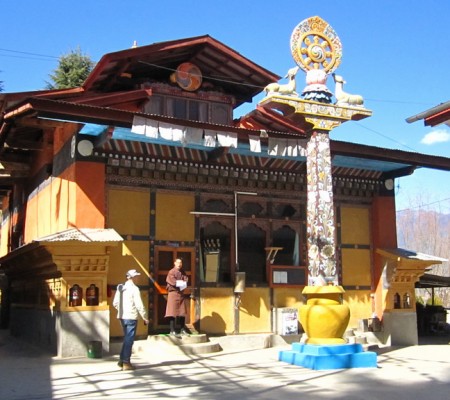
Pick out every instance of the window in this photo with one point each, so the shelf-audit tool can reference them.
(252, 254)
(155, 105)
(216, 249)
(190, 109)
(288, 239)
(221, 114)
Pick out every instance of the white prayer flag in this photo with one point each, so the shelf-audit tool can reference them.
(210, 138)
(227, 139)
(151, 129)
(255, 144)
(194, 135)
(165, 130)
(138, 125)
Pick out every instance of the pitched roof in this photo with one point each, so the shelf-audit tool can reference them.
(218, 63)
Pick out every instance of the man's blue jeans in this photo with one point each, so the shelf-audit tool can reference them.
(129, 333)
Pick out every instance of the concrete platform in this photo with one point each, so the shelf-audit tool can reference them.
(325, 357)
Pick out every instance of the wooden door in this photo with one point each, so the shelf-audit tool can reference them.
(164, 259)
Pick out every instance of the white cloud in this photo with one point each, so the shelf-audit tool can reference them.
(437, 136)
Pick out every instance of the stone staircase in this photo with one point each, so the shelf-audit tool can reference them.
(190, 344)
(369, 340)
(197, 343)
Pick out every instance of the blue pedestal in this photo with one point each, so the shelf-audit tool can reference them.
(322, 357)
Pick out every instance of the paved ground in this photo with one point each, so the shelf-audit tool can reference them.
(416, 372)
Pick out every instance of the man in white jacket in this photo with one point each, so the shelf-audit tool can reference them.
(128, 303)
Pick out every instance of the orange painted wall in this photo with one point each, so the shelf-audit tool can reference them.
(90, 195)
(59, 203)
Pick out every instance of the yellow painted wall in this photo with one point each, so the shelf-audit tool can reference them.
(128, 255)
(356, 262)
(50, 210)
(287, 297)
(360, 305)
(217, 310)
(355, 226)
(34, 218)
(357, 267)
(173, 218)
(254, 311)
(129, 211)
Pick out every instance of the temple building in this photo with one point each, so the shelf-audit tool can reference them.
(145, 163)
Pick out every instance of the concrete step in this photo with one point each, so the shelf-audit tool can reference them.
(243, 342)
(349, 333)
(192, 344)
(202, 344)
(356, 339)
(178, 341)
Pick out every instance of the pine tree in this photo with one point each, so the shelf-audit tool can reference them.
(73, 69)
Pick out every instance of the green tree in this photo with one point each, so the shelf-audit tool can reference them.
(73, 69)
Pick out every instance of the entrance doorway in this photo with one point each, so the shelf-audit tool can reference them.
(164, 259)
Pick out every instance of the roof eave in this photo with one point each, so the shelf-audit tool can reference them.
(430, 112)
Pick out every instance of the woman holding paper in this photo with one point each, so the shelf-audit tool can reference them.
(176, 310)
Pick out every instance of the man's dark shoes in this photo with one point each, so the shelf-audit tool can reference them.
(174, 334)
(184, 332)
(120, 363)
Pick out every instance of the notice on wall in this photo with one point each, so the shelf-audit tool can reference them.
(280, 277)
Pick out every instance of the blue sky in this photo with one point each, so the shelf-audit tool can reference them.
(395, 54)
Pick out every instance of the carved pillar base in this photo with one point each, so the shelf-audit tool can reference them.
(324, 318)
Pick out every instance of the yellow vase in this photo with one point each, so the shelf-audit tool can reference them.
(324, 318)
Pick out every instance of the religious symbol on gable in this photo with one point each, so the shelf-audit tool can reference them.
(188, 77)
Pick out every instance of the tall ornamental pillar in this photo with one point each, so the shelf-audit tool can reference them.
(317, 50)
(320, 211)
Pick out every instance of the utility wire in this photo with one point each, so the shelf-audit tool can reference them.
(208, 77)
(220, 79)
(26, 53)
(384, 136)
(423, 205)
(399, 102)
